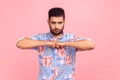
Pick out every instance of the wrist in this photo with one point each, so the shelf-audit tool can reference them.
(47, 43)
(66, 43)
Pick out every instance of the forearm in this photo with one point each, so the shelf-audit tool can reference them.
(81, 45)
(27, 43)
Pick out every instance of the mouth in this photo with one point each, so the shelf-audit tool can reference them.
(56, 30)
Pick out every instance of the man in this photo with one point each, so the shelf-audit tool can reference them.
(57, 50)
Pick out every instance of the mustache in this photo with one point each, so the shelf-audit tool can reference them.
(56, 29)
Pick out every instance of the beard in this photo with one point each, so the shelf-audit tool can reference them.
(56, 31)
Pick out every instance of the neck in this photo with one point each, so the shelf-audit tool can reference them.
(57, 36)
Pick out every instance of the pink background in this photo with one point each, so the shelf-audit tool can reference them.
(96, 19)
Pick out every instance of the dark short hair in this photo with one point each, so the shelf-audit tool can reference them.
(56, 12)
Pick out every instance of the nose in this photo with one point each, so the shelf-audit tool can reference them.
(56, 25)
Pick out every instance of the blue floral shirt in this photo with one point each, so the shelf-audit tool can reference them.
(56, 64)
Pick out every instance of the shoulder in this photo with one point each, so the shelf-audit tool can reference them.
(74, 37)
(69, 35)
(39, 36)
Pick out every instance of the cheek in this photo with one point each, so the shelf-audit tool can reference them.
(62, 26)
(52, 26)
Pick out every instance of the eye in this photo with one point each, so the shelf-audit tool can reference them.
(60, 22)
(53, 22)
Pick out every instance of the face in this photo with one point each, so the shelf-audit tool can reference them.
(56, 25)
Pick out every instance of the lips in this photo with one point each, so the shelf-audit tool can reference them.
(56, 30)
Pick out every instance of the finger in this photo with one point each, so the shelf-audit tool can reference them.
(60, 44)
(57, 47)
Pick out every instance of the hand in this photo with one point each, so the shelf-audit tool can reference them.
(55, 44)
(59, 45)
(51, 43)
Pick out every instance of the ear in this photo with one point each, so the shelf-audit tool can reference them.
(48, 21)
(64, 21)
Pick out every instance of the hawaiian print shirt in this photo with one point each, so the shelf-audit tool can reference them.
(56, 64)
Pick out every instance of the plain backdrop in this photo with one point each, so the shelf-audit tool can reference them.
(96, 19)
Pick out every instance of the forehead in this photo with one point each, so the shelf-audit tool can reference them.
(56, 19)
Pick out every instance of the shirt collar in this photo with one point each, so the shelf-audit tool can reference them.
(52, 36)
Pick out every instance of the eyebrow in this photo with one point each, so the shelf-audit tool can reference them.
(56, 22)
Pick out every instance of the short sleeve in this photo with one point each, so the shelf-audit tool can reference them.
(35, 37)
(39, 36)
(77, 38)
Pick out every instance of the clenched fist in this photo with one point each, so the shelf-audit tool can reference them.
(55, 44)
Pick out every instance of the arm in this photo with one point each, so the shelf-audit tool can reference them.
(27, 43)
(79, 45)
